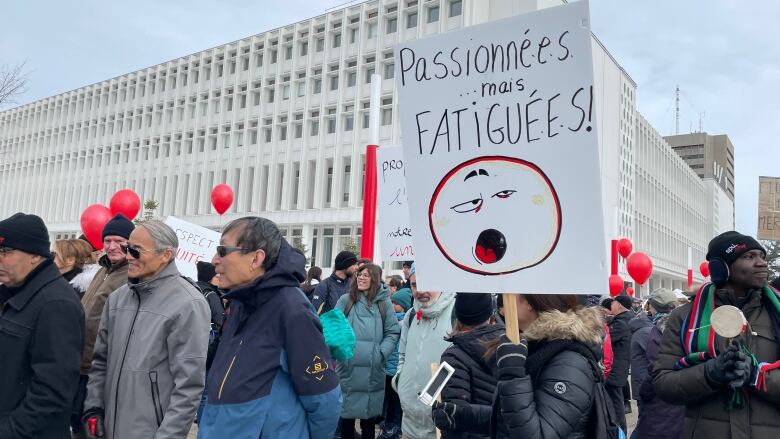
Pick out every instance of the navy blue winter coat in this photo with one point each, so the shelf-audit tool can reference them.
(271, 376)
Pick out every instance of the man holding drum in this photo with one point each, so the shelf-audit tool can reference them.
(728, 385)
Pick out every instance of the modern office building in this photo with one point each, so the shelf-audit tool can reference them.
(282, 117)
(710, 156)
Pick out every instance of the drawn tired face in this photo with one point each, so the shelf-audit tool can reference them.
(495, 215)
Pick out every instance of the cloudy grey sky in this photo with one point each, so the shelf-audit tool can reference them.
(725, 56)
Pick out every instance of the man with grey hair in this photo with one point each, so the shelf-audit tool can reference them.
(149, 361)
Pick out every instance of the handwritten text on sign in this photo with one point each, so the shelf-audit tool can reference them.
(196, 244)
(395, 231)
(500, 146)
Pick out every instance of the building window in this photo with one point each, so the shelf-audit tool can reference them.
(353, 35)
(351, 78)
(286, 92)
(389, 70)
(456, 8)
(320, 44)
(300, 88)
(314, 127)
(411, 20)
(283, 132)
(273, 54)
(304, 49)
(433, 14)
(288, 51)
(371, 30)
(334, 82)
(336, 41)
(317, 86)
(392, 25)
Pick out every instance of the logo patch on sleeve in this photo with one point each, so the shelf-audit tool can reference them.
(317, 368)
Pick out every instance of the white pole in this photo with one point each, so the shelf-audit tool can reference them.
(374, 111)
(373, 133)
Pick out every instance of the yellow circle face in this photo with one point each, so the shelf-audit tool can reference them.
(495, 215)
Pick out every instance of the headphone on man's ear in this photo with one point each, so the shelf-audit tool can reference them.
(719, 272)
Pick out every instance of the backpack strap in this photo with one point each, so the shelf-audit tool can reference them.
(380, 304)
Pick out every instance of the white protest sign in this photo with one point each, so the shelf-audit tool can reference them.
(395, 232)
(196, 244)
(501, 156)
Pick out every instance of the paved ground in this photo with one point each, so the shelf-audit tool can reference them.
(630, 420)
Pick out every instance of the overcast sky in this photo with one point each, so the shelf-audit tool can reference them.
(725, 56)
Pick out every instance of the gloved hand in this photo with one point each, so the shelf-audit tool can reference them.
(450, 415)
(93, 423)
(743, 368)
(510, 358)
(722, 370)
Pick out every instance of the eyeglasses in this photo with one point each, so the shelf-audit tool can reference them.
(135, 252)
(224, 250)
(364, 274)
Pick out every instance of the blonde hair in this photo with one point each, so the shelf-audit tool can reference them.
(79, 250)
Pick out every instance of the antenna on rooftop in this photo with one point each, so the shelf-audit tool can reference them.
(701, 121)
(677, 110)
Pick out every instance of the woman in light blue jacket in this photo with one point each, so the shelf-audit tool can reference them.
(371, 315)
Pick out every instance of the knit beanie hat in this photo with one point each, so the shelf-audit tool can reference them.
(729, 246)
(344, 260)
(473, 308)
(662, 299)
(27, 233)
(624, 300)
(118, 226)
(206, 271)
(403, 298)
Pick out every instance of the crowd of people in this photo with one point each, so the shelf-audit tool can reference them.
(118, 344)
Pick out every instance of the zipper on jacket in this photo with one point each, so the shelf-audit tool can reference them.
(158, 411)
(122, 363)
(224, 379)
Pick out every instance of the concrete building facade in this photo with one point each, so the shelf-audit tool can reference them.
(282, 117)
(710, 156)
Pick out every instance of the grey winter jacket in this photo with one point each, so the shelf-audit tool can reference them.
(640, 332)
(363, 376)
(150, 358)
(422, 343)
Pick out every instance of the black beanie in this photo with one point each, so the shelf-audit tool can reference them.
(729, 246)
(206, 271)
(624, 300)
(473, 308)
(27, 233)
(344, 260)
(118, 226)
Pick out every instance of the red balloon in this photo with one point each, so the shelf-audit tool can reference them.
(640, 267)
(125, 202)
(630, 291)
(704, 268)
(93, 219)
(221, 198)
(625, 247)
(615, 285)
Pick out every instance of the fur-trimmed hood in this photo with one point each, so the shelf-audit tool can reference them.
(583, 325)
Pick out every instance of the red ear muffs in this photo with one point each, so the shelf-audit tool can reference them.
(719, 272)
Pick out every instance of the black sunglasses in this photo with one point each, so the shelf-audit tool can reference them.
(135, 252)
(224, 250)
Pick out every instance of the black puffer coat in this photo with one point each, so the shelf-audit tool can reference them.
(558, 403)
(472, 381)
(620, 333)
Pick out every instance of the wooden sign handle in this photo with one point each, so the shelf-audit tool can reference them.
(510, 317)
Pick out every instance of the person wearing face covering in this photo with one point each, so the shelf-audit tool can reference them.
(423, 332)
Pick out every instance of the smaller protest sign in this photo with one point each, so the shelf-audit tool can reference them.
(395, 237)
(196, 244)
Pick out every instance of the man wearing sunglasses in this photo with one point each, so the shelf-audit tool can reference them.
(272, 375)
(112, 275)
(149, 361)
(41, 334)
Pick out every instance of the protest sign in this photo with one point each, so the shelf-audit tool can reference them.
(501, 156)
(769, 208)
(395, 232)
(196, 244)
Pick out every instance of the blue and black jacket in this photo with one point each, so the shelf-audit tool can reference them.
(271, 376)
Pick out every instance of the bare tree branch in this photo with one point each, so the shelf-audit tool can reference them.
(772, 257)
(13, 82)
